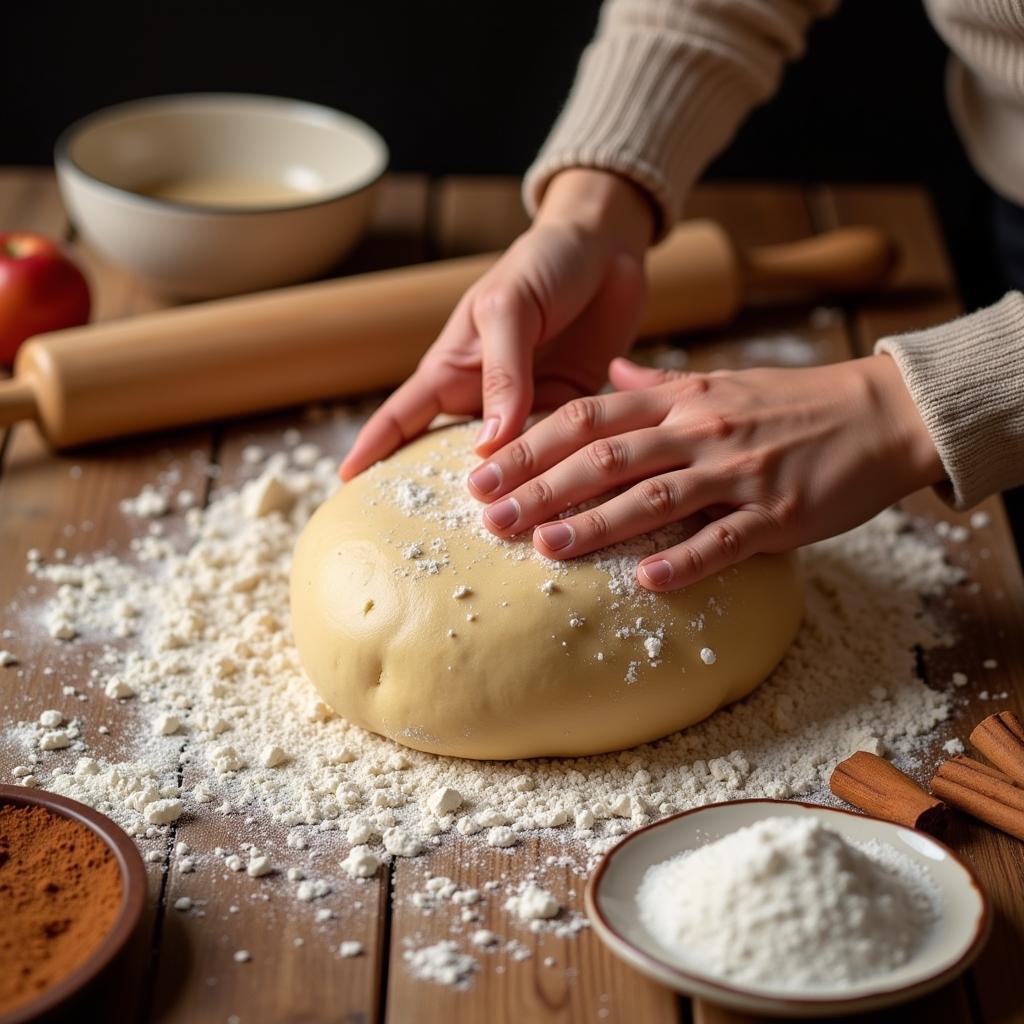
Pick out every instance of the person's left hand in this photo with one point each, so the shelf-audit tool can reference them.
(775, 458)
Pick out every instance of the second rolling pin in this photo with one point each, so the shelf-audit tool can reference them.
(356, 334)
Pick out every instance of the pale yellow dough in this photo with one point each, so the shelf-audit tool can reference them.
(415, 623)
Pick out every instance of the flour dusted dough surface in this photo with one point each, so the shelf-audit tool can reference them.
(415, 623)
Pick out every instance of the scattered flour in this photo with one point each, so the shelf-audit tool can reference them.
(197, 628)
(192, 623)
(441, 962)
(533, 903)
(794, 907)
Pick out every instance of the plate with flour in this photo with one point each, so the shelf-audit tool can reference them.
(784, 908)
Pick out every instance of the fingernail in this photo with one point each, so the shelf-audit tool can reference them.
(657, 573)
(556, 535)
(486, 478)
(503, 514)
(488, 431)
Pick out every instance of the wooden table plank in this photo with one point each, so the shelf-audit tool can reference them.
(757, 215)
(70, 502)
(947, 1006)
(295, 972)
(783, 338)
(40, 495)
(398, 226)
(585, 982)
(988, 612)
(557, 979)
(482, 216)
(474, 214)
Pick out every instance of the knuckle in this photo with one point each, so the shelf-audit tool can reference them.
(497, 382)
(494, 301)
(607, 456)
(694, 384)
(657, 496)
(788, 509)
(780, 510)
(691, 562)
(747, 464)
(581, 415)
(717, 428)
(665, 376)
(538, 491)
(726, 538)
(521, 456)
(594, 524)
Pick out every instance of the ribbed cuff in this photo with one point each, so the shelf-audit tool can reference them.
(663, 87)
(967, 379)
(645, 108)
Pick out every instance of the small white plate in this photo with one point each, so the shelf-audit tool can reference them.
(950, 947)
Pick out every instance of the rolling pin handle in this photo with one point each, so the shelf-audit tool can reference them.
(17, 402)
(847, 259)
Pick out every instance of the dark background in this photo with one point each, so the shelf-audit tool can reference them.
(473, 87)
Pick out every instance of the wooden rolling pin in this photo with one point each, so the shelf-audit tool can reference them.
(356, 334)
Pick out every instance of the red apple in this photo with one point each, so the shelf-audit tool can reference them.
(40, 290)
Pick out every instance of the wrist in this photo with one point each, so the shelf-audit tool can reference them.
(906, 433)
(602, 203)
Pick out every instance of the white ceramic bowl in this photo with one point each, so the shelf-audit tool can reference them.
(949, 948)
(324, 163)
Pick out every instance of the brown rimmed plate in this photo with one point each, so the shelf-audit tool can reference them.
(133, 896)
(952, 944)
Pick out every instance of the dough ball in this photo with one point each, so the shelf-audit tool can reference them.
(414, 622)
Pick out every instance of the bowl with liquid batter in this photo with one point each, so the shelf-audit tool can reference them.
(211, 194)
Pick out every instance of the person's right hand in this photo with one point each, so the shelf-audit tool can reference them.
(538, 329)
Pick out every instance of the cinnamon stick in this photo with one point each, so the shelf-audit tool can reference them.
(879, 788)
(1000, 737)
(982, 792)
(981, 768)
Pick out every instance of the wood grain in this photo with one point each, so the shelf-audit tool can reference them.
(567, 979)
(186, 972)
(473, 214)
(295, 972)
(771, 338)
(585, 982)
(783, 338)
(987, 613)
(947, 1006)
(70, 502)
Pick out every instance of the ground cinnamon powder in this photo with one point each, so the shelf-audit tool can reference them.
(60, 890)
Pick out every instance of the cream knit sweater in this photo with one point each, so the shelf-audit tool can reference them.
(662, 89)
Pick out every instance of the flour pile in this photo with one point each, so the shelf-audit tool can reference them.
(197, 664)
(788, 904)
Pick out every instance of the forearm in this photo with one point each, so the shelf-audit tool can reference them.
(605, 204)
(966, 378)
(663, 87)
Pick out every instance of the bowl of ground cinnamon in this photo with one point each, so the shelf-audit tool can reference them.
(72, 889)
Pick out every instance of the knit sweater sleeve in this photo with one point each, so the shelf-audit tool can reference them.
(967, 380)
(663, 87)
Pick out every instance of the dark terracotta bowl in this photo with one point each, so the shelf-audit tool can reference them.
(133, 897)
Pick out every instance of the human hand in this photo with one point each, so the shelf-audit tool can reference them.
(538, 328)
(774, 458)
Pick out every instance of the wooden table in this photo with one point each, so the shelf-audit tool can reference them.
(178, 969)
